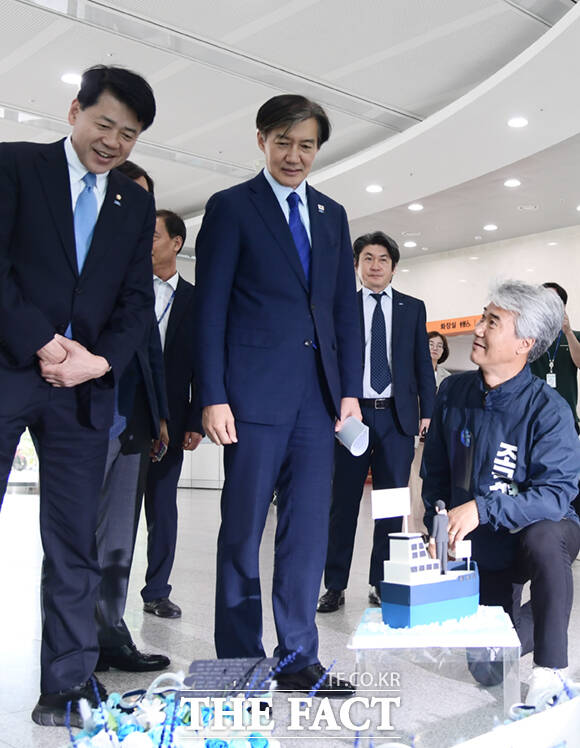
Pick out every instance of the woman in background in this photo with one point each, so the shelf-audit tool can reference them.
(439, 351)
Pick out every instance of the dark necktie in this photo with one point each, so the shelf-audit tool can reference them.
(85, 218)
(299, 234)
(380, 371)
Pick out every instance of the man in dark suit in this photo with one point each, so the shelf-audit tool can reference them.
(174, 299)
(75, 299)
(278, 360)
(139, 418)
(397, 381)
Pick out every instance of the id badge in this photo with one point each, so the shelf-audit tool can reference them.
(551, 379)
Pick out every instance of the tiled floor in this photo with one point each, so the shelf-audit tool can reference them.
(438, 705)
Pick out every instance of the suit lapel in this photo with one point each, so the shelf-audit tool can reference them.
(178, 308)
(362, 322)
(109, 222)
(54, 176)
(267, 205)
(398, 311)
(316, 211)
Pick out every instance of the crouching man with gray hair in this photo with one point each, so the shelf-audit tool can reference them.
(503, 454)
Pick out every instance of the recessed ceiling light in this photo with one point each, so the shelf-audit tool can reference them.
(531, 270)
(478, 237)
(374, 188)
(415, 206)
(73, 79)
(474, 258)
(404, 270)
(490, 227)
(578, 207)
(528, 207)
(425, 249)
(410, 233)
(462, 280)
(552, 244)
(512, 183)
(410, 244)
(517, 122)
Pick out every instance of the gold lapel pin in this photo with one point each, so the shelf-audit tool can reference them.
(118, 199)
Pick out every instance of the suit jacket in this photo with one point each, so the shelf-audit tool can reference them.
(142, 389)
(257, 317)
(109, 303)
(411, 368)
(184, 411)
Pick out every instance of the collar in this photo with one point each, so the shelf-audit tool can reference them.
(282, 192)
(506, 389)
(77, 169)
(388, 290)
(171, 281)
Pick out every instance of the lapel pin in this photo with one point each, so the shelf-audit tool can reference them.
(118, 199)
(320, 208)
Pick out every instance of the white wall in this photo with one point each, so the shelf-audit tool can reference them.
(453, 285)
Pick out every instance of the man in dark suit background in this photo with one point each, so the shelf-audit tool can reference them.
(398, 384)
(174, 299)
(75, 299)
(278, 360)
(139, 418)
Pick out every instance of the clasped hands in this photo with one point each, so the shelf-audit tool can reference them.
(66, 363)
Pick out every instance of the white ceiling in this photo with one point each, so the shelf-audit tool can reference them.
(412, 88)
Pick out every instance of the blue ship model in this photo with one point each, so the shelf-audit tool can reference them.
(414, 592)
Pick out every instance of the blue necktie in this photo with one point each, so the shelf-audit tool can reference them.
(380, 371)
(299, 234)
(85, 218)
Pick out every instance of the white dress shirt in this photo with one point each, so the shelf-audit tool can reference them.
(369, 305)
(77, 171)
(282, 193)
(164, 295)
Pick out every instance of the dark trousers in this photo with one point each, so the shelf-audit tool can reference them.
(161, 516)
(297, 459)
(545, 555)
(118, 518)
(72, 461)
(389, 456)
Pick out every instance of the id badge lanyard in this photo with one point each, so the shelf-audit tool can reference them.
(551, 375)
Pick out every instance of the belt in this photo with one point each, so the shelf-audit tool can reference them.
(380, 403)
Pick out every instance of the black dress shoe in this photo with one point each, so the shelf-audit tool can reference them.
(127, 657)
(162, 607)
(330, 601)
(51, 708)
(305, 680)
(374, 596)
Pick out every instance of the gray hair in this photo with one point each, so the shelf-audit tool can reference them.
(538, 312)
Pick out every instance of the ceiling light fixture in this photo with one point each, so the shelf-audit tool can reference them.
(374, 188)
(552, 244)
(512, 183)
(517, 122)
(490, 227)
(478, 237)
(474, 258)
(410, 244)
(415, 207)
(73, 79)
(578, 207)
(425, 249)
(404, 270)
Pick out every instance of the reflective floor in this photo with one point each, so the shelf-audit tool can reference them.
(438, 707)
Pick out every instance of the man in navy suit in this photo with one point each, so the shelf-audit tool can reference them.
(75, 300)
(174, 298)
(278, 360)
(398, 384)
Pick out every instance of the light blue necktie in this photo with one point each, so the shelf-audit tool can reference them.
(85, 218)
(299, 234)
(380, 370)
